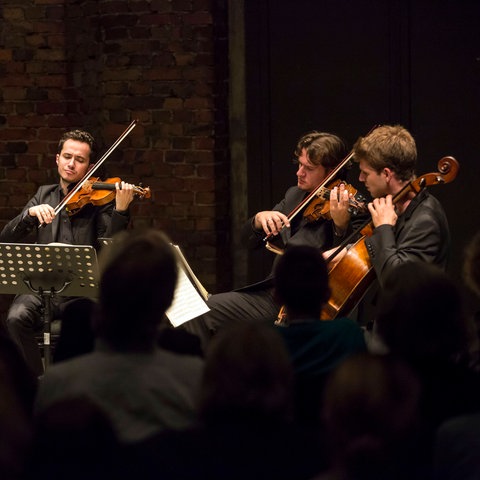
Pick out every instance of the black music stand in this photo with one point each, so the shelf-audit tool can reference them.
(48, 270)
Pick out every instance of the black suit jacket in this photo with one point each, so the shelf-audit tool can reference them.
(89, 224)
(318, 234)
(420, 234)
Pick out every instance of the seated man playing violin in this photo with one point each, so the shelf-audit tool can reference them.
(317, 155)
(84, 228)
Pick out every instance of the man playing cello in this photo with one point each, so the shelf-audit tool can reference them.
(415, 228)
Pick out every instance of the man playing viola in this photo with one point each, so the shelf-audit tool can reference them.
(316, 154)
(84, 228)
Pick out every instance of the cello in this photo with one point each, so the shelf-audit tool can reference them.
(350, 277)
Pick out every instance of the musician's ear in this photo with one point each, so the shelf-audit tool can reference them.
(389, 174)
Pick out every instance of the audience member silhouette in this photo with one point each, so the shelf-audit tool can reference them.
(315, 346)
(18, 387)
(142, 388)
(457, 441)
(456, 449)
(76, 332)
(421, 319)
(370, 411)
(246, 412)
(471, 277)
(471, 264)
(73, 440)
(179, 340)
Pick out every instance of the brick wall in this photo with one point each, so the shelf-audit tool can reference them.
(99, 64)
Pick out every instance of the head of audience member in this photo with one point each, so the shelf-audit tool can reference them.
(420, 314)
(317, 154)
(74, 446)
(247, 374)
(387, 159)
(137, 283)
(301, 282)
(371, 415)
(18, 386)
(471, 264)
(76, 333)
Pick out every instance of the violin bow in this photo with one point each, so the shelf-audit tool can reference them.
(95, 167)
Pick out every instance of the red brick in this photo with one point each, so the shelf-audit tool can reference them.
(161, 6)
(16, 174)
(12, 14)
(204, 224)
(5, 55)
(198, 18)
(49, 2)
(182, 197)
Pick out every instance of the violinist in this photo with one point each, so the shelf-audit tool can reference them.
(92, 222)
(316, 155)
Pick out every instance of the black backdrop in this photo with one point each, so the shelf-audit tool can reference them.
(344, 66)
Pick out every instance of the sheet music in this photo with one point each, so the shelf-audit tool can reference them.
(187, 302)
(184, 264)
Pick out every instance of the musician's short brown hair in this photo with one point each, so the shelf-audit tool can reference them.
(388, 146)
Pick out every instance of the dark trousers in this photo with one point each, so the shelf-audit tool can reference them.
(24, 321)
(257, 306)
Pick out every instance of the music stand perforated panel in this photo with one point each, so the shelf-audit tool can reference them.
(71, 270)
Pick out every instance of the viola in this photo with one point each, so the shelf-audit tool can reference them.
(317, 194)
(98, 193)
(319, 207)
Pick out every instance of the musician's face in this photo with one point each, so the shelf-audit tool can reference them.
(375, 183)
(73, 161)
(309, 175)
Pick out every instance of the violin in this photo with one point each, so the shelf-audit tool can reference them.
(319, 207)
(98, 193)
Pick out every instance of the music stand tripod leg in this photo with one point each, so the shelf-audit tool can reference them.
(47, 324)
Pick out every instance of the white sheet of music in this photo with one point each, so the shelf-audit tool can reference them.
(187, 302)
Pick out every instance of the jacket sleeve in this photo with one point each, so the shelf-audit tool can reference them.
(252, 237)
(23, 225)
(423, 238)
